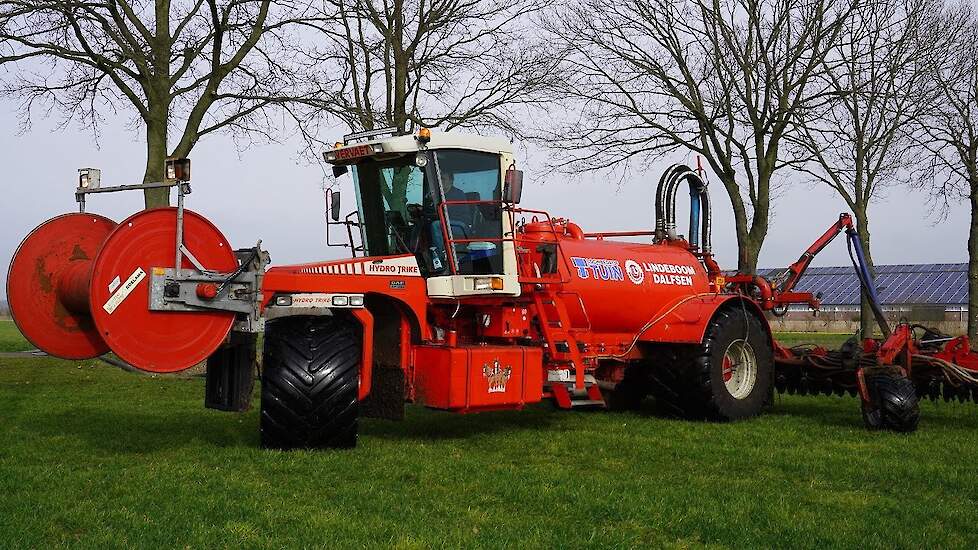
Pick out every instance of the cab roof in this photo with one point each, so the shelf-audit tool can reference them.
(439, 140)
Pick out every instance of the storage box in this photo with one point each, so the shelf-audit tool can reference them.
(476, 378)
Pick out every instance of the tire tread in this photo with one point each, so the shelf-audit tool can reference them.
(310, 383)
(683, 377)
(894, 405)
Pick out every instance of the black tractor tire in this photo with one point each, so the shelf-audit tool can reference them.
(628, 394)
(893, 403)
(689, 381)
(310, 383)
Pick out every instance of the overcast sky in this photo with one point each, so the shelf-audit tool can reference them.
(264, 193)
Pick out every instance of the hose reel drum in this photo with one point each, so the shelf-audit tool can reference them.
(161, 290)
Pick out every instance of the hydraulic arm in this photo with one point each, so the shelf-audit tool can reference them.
(777, 294)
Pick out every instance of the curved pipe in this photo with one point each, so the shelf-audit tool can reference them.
(660, 200)
(665, 206)
(574, 231)
(672, 187)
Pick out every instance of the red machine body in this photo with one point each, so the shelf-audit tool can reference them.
(611, 286)
(585, 300)
(542, 309)
(477, 378)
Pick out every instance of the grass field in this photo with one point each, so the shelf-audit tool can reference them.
(91, 456)
(10, 338)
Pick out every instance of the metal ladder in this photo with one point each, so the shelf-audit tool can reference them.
(563, 348)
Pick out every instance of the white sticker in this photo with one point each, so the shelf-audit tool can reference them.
(124, 290)
(401, 266)
(634, 271)
(115, 284)
(559, 375)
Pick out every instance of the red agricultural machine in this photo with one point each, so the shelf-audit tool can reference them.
(454, 297)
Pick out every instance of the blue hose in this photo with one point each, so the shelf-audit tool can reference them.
(866, 279)
(694, 216)
(863, 267)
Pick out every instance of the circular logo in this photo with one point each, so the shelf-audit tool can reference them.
(634, 271)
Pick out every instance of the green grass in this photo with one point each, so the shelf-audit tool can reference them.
(91, 456)
(826, 339)
(10, 338)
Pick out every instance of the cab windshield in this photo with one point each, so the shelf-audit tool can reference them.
(399, 204)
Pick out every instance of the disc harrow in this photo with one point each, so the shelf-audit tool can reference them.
(940, 366)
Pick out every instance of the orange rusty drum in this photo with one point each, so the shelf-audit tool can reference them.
(47, 285)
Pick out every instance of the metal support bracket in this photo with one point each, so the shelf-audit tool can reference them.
(239, 292)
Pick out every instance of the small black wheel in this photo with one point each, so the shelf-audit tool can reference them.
(893, 404)
(231, 374)
(729, 376)
(310, 383)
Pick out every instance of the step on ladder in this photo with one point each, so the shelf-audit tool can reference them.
(563, 348)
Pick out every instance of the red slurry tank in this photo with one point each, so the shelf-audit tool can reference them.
(620, 283)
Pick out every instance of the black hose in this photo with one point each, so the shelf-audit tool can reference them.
(241, 269)
(665, 205)
(661, 193)
(862, 272)
(671, 188)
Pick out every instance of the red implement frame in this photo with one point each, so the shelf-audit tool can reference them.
(947, 362)
(771, 296)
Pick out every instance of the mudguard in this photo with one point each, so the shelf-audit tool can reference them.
(685, 320)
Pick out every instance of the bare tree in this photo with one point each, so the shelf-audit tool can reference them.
(406, 64)
(184, 69)
(860, 141)
(950, 128)
(722, 78)
(432, 63)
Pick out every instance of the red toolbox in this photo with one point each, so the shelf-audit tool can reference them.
(476, 378)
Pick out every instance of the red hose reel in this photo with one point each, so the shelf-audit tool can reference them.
(78, 287)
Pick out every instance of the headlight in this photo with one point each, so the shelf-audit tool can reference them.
(89, 178)
(487, 283)
(341, 301)
(177, 169)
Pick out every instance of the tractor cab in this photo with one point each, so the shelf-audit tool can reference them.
(437, 199)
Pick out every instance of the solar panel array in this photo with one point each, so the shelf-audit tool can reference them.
(938, 284)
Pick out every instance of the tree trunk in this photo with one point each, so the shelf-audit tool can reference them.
(155, 159)
(747, 252)
(747, 263)
(748, 243)
(158, 104)
(867, 321)
(973, 268)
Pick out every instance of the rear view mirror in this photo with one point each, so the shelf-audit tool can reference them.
(334, 204)
(513, 186)
(339, 171)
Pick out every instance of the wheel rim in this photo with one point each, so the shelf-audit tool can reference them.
(739, 369)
